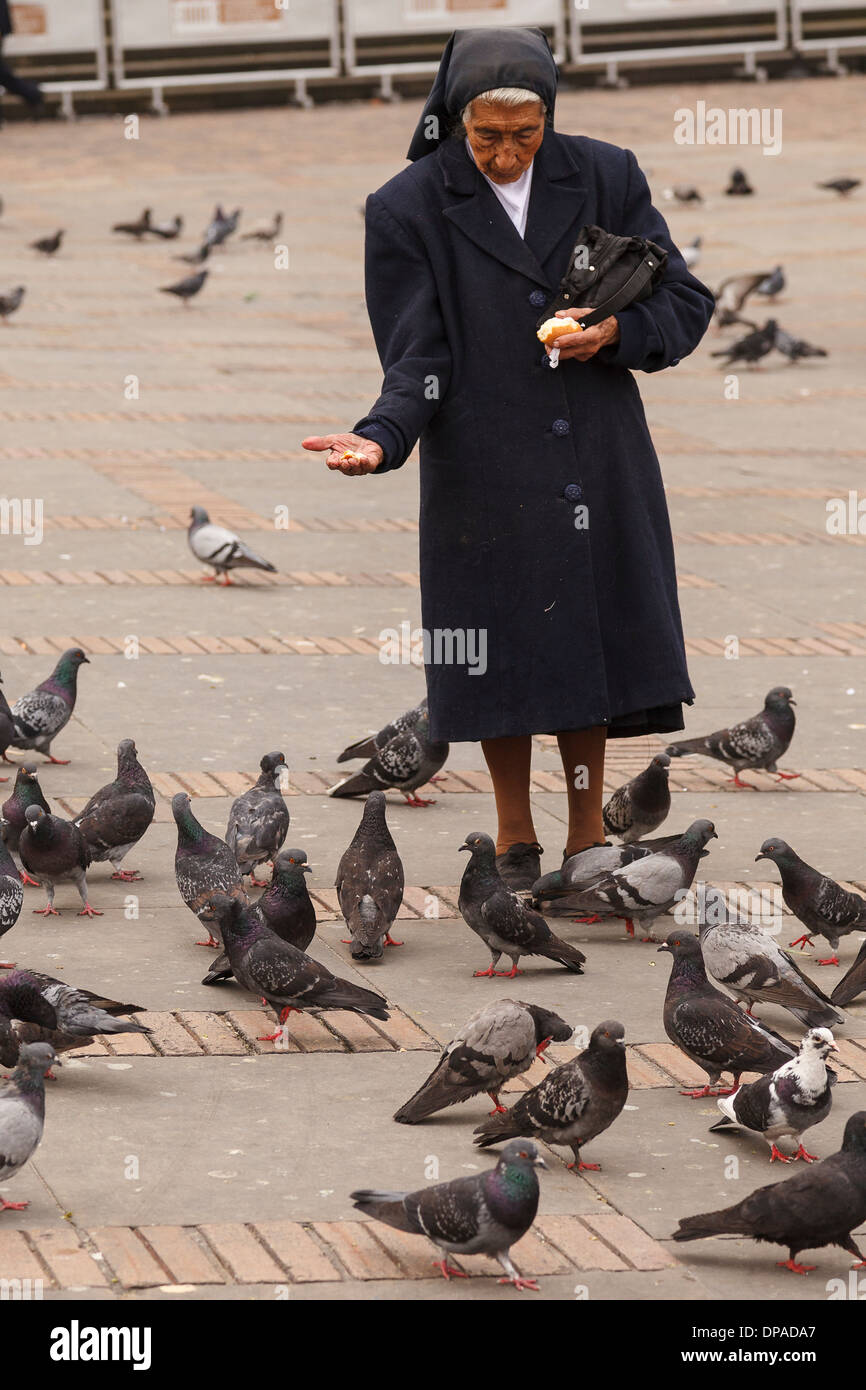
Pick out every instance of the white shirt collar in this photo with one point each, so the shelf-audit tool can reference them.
(514, 197)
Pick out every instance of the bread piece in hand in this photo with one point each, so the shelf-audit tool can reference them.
(554, 328)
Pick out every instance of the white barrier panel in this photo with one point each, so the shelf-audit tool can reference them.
(828, 24)
(650, 22)
(411, 20)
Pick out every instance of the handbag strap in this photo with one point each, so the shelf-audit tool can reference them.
(640, 276)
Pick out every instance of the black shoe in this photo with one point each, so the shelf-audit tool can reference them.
(520, 865)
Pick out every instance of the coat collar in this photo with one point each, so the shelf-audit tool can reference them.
(555, 201)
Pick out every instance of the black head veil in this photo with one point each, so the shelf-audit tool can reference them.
(477, 60)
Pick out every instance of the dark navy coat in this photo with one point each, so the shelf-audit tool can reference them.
(5, 19)
(578, 608)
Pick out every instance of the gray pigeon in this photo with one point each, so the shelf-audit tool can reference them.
(259, 820)
(38, 1008)
(795, 349)
(582, 870)
(787, 1101)
(639, 806)
(10, 303)
(852, 984)
(643, 890)
(505, 924)
(732, 294)
(823, 906)
(268, 231)
(11, 897)
(371, 868)
(22, 1113)
(500, 1041)
(285, 906)
(222, 225)
(220, 548)
(41, 714)
(484, 1214)
(188, 288)
(117, 816)
(751, 348)
(203, 866)
(54, 851)
(400, 756)
(197, 257)
(773, 285)
(758, 742)
(575, 1103)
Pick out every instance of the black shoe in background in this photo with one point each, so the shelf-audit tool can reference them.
(520, 865)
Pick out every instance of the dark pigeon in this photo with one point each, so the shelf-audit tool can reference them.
(135, 229)
(795, 349)
(505, 924)
(22, 1113)
(370, 868)
(259, 819)
(639, 807)
(48, 245)
(709, 1027)
(842, 186)
(167, 231)
(575, 1103)
(823, 906)
(203, 866)
(758, 742)
(787, 1101)
(732, 294)
(11, 897)
(285, 906)
(10, 303)
(401, 756)
(197, 257)
(220, 548)
(53, 850)
(117, 816)
(42, 713)
(38, 1008)
(813, 1208)
(7, 729)
(26, 792)
(188, 288)
(854, 983)
(484, 1214)
(739, 186)
(751, 348)
(500, 1041)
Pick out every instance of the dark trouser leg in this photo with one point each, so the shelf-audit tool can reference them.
(18, 86)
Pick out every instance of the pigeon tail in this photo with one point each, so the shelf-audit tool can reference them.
(357, 785)
(436, 1094)
(566, 955)
(386, 1207)
(713, 1223)
(687, 746)
(496, 1128)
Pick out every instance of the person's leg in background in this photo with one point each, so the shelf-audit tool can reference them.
(582, 752)
(18, 86)
(517, 849)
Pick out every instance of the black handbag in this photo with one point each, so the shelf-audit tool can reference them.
(606, 273)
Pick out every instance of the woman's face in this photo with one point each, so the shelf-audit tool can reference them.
(504, 139)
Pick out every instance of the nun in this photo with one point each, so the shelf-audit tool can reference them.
(548, 588)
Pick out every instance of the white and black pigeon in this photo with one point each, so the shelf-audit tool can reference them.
(10, 303)
(38, 1008)
(581, 870)
(168, 231)
(203, 866)
(371, 869)
(795, 349)
(483, 1214)
(823, 906)
(691, 254)
(220, 548)
(683, 193)
(22, 1113)
(574, 1103)
(710, 1028)
(117, 816)
(11, 896)
(751, 964)
(638, 807)
(499, 1042)
(758, 742)
(852, 985)
(505, 924)
(641, 891)
(42, 713)
(732, 294)
(285, 906)
(773, 285)
(259, 819)
(401, 756)
(787, 1101)
(54, 851)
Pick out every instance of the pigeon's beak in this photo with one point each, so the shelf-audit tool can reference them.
(834, 1047)
(714, 836)
(792, 702)
(664, 947)
(86, 660)
(539, 1162)
(761, 856)
(620, 1042)
(305, 868)
(462, 847)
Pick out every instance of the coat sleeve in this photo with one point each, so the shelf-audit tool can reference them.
(406, 318)
(661, 330)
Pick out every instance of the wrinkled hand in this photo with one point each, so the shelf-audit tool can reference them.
(339, 444)
(585, 344)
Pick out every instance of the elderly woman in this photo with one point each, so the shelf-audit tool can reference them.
(548, 589)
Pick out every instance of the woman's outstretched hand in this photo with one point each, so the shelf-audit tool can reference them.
(586, 343)
(364, 454)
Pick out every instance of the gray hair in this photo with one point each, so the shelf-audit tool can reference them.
(504, 96)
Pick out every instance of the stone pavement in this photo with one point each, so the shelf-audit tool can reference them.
(200, 1163)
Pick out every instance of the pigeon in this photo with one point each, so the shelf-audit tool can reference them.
(11, 897)
(483, 1214)
(7, 728)
(203, 866)
(691, 254)
(400, 756)
(168, 231)
(823, 906)
(54, 851)
(42, 713)
(220, 548)
(504, 923)
(287, 979)
(758, 742)
(732, 295)
(370, 868)
(117, 816)
(26, 792)
(10, 303)
(709, 1027)
(265, 231)
(751, 348)
(854, 983)
(500, 1041)
(807, 1211)
(640, 806)
(773, 285)
(48, 245)
(787, 1101)
(259, 820)
(753, 967)
(574, 1103)
(22, 1113)
(795, 349)
(285, 906)
(643, 890)
(135, 229)
(841, 186)
(197, 257)
(739, 186)
(222, 226)
(188, 288)
(589, 865)
(683, 193)
(38, 1008)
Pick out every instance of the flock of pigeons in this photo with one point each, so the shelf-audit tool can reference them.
(263, 945)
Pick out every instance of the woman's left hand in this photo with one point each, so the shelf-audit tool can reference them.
(588, 341)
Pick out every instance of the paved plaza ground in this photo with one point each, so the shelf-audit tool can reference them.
(201, 1164)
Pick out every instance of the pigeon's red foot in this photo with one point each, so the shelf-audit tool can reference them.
(7, 965)
(831, 960)
(437, 777)
(802, 1153)
(794, 1266)
(744, 786)
(699, 1095)
(46, 912)
(13, 1206)
(520, 1283)
(787, 776)
(594, 918)
(88, 911)
(581, 1167)
(208, 578)
(127, 875)
(4, 779)
(497, 1108)
(777, 1155)
(288, 1009)
(389, 941)
(803, 941)
(26, 879)
(448, 1270)
(629, 926)
(543, 1046)
(270, 1037)
(484, 974)
(226, 581)
(214, 945)
(61, 762)
(648, 938)
(508, 974)
(419, 801)
(861, 1264)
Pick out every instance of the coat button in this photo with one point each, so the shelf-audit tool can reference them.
(573, 492)
(537, 298)
(560, 428)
